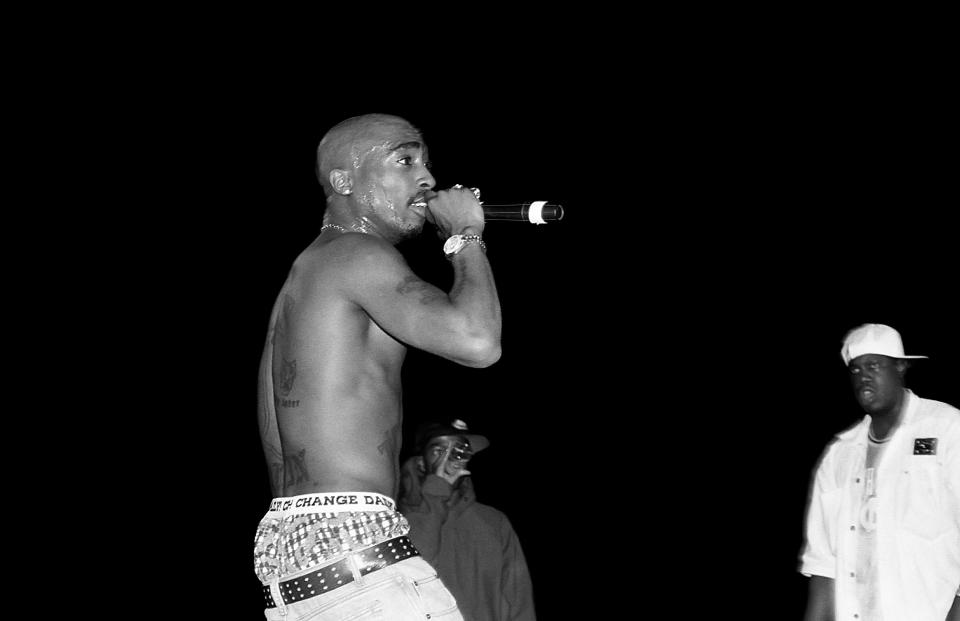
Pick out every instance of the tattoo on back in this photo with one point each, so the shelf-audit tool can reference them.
(279, 329)
(391, 439)
(288, 374)
(412, 285)
(291, 471)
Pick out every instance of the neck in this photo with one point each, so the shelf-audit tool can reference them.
(882, 424)
(339, 216)
(343, 225)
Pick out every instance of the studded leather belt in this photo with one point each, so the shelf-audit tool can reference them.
(335, 575)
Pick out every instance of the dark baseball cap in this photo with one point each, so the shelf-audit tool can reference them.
(456, 427)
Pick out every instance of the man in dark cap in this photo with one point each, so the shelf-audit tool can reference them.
(883, 525)
(472, 545)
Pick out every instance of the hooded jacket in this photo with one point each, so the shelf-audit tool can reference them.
(472, 546)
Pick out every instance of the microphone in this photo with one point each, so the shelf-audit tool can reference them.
(537, 212)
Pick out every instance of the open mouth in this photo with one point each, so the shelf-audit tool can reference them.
(418, 205)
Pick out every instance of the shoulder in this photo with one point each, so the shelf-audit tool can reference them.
(931, 408)
(491, 515)
(353, 248)
(848, 436)
(351, 256)
(939, 415)
(841, 448)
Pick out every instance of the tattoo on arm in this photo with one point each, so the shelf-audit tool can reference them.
(429, 294)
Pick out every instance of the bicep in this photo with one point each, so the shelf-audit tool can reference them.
(821, 523)
(410, 309)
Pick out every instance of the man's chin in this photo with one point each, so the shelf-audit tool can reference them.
(412, 230)
(872, 406)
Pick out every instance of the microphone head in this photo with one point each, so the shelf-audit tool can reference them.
(552, 212)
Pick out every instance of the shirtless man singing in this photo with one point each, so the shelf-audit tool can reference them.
(332, 544)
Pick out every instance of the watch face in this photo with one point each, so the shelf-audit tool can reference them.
(452, 244)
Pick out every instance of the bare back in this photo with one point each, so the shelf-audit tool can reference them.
(329, 391)
(330, 396)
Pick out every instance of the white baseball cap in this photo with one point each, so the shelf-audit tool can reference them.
(873, 338)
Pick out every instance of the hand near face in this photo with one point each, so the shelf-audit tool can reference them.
(454, 211)
(447, 469)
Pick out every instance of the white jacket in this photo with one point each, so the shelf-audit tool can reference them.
(918, 515)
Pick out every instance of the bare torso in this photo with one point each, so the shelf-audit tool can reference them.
(329, 390)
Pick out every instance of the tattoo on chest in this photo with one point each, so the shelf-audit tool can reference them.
(412, 285)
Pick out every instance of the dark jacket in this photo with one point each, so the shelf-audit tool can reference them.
(472, 546)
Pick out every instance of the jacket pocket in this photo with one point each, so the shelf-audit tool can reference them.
(920, 495)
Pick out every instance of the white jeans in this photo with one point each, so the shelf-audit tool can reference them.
(406, 591)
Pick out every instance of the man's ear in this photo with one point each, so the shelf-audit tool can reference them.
(420, 465)
(341, 181)
(902, 366)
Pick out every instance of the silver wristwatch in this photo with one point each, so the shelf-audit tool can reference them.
(456, 243)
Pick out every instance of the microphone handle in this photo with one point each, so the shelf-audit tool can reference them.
(521, 212)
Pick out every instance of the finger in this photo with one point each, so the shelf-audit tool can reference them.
(442, 462)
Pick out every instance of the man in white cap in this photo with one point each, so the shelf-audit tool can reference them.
(883, 522)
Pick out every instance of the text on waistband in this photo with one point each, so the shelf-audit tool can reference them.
(331, 500)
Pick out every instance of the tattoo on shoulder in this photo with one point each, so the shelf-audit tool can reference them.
(411, 285)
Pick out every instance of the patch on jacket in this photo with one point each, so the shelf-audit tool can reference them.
(925, 446)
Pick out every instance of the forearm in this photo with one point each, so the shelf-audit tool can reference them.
(820, 605)
(474, 294)
(954, 614)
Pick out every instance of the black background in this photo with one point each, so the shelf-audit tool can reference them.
(670, 369)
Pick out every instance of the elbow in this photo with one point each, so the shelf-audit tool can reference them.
(475, 344)
(490, 355)
(482, 352)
